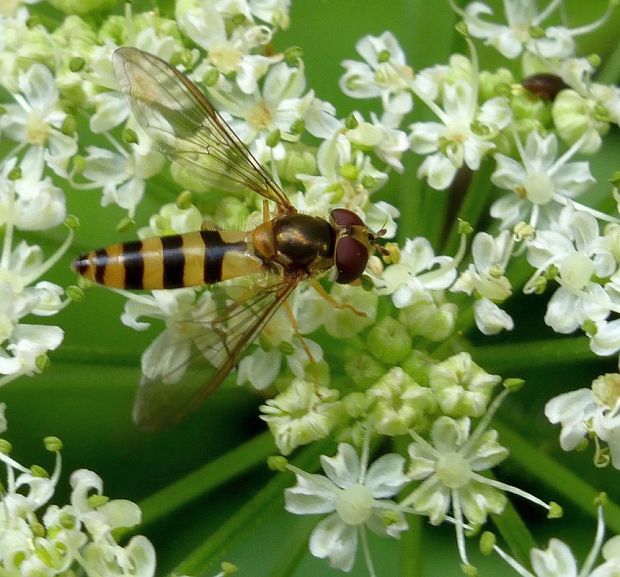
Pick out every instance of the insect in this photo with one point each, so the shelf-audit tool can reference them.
(545, 86)
(285, 249)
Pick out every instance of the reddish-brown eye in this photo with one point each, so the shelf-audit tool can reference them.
(545, 86)
(344, 217)
(350, 257)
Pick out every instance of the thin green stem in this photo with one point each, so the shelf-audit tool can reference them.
(515, 533)
(514, 357)
(269, 497)
(209, 477)
(473, 206)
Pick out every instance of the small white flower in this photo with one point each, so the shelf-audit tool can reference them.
(346, 177)
(354, 496)
(485, 275)
(417, 272)
(121, 175)
(185, 314)
(29, 203)
(388, 143)
(35, 123)
(578, 252)
(540, 183)
(384, 73)
(464, 134)
(523, 29)
(573, 410)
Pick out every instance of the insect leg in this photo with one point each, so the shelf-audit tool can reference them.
(332, 301)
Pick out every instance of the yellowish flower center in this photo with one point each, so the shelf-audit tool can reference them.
(36, 129)
(453, 470)
(355, 504)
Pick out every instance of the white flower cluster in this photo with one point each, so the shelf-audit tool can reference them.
(357, 496)
(38, 539)
(30, 201)
(533, 133)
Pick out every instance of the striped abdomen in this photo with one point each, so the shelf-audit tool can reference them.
(191, 259)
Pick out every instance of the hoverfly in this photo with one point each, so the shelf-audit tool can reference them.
(285, 249)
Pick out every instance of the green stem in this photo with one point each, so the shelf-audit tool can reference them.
(209, 477)
(86, 355)
(473, 206)
(261, 505)
(515, 533)
(411, 558)
(610, 72)
(514, 357)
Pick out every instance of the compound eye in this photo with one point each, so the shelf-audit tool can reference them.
(344, 217)
(351, 258)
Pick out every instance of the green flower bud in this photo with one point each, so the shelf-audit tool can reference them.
(430, 320)
(74, 293)
(76, 64)
(298, 126)
(525, 106)
(299, 159)
(38, 530)
(399, 404)
(573, 116)
(231, 212)
(513, 384)
(293, 55)
(389, 341)
(130, 136)
(555, 511)
(211, 77)
(5, 447)
(228, 568)
(349, 171)
(42, 362)
(487, 542)
(277, 463)
(95, 501)
(417, 365)
(15, 173)
(363, 369)
(124, 224)
(78, 164)
(38, 471)
(52, 444)
(469, 570)
(184, 200)
(355, 405)
(494, 84)
(351, 122)
(273, 138)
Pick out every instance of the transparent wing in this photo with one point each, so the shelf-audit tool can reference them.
(216, 346)
(186, 127)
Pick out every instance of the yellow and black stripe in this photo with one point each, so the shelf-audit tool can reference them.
(183, 260)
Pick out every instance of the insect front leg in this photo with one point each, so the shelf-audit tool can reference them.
(332, 301)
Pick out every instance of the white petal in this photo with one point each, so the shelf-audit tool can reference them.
(344, 467)
(556, 560)
(336, 540)
(312, 494)
(385, 476)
